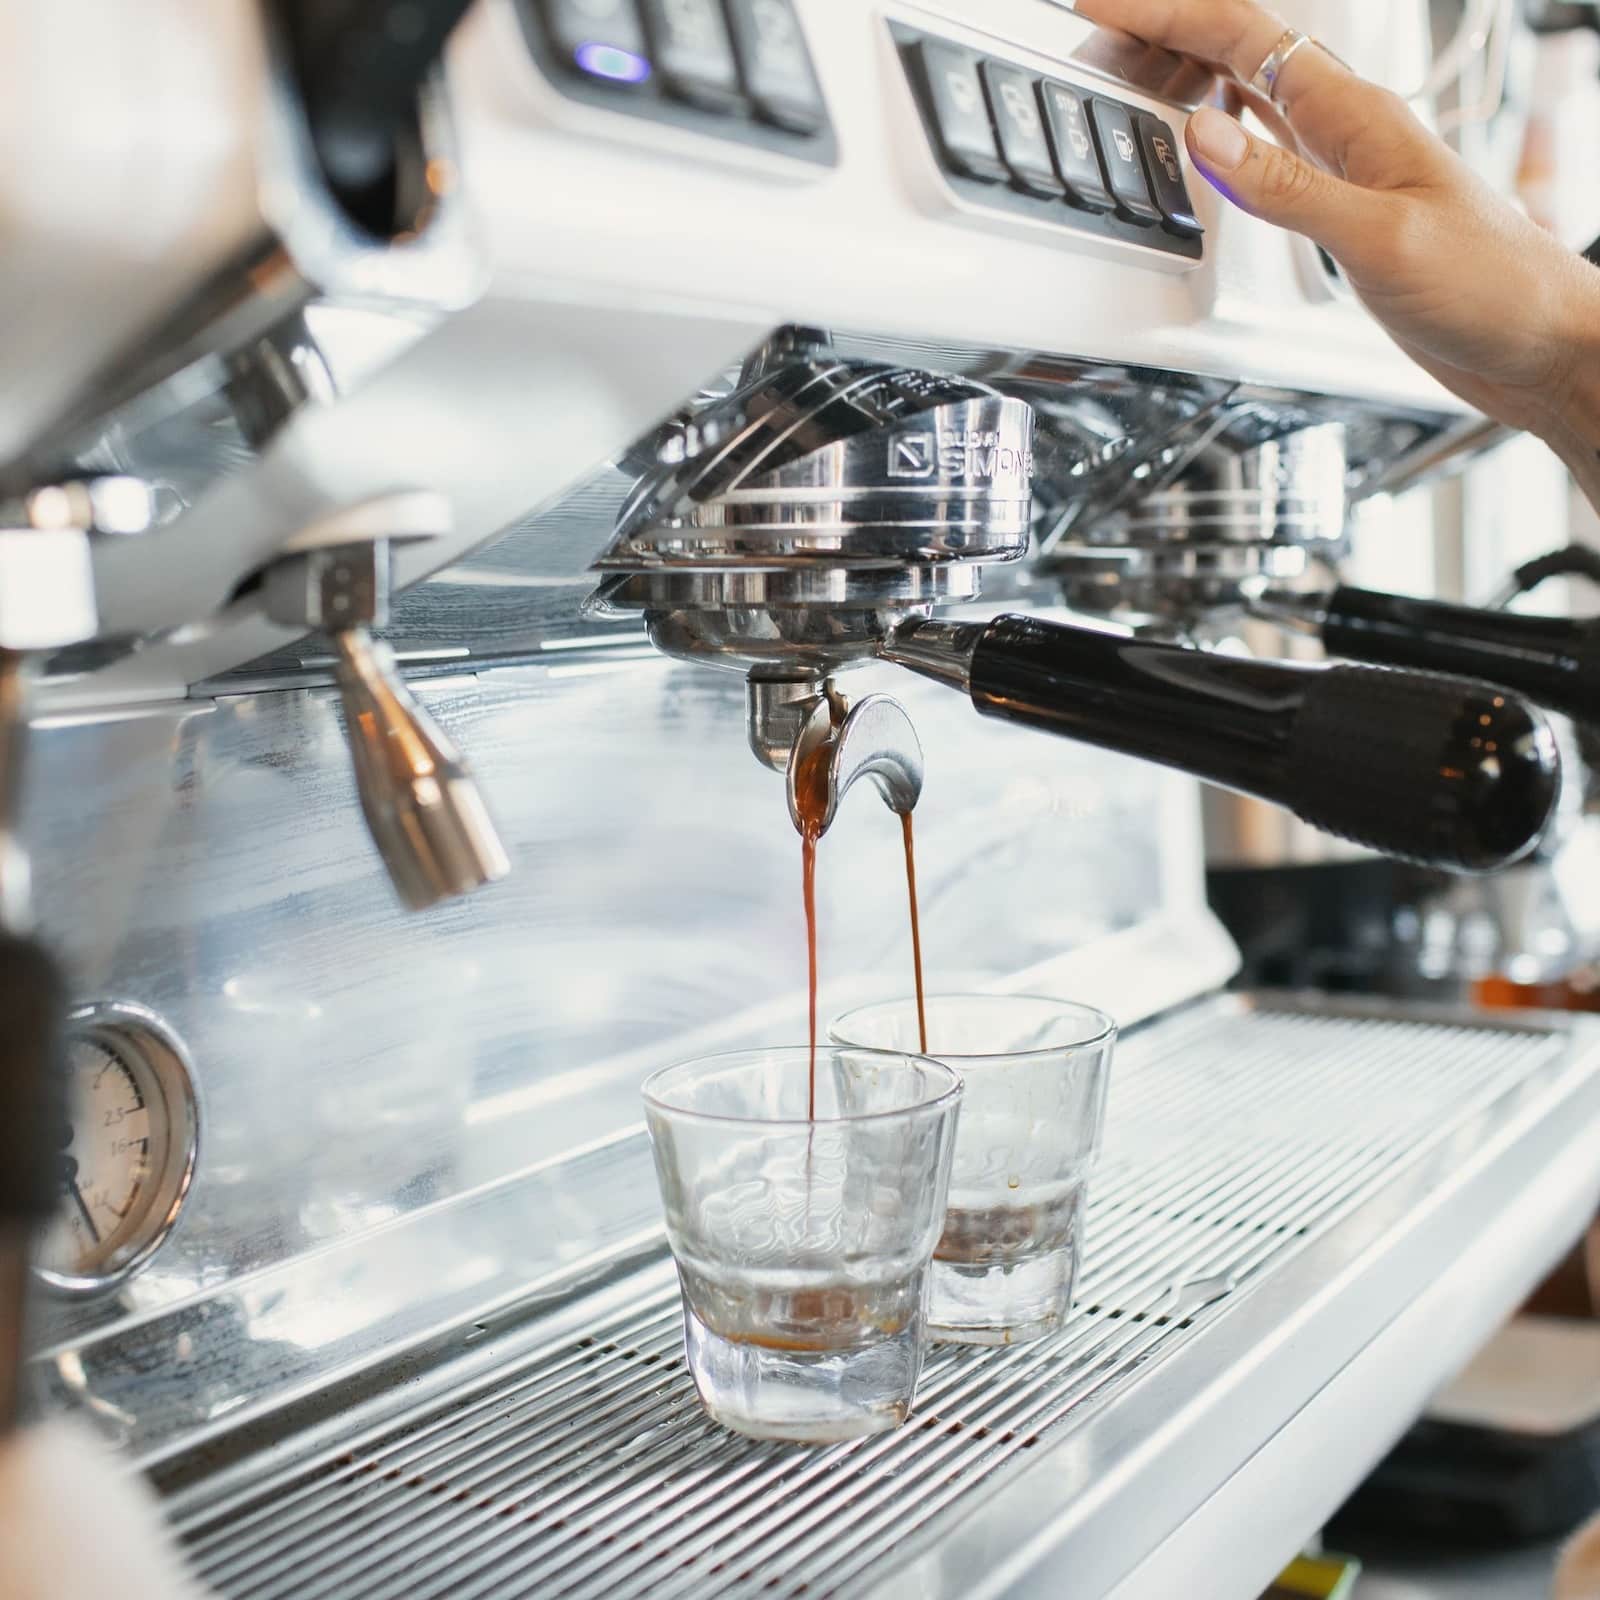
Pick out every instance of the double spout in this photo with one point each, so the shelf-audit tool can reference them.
(824, 746)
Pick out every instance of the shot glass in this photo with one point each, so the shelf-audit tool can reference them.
(803, 1245)
(1035, 1073)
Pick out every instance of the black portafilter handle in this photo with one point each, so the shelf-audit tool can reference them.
(1438, 771)
(1554, 661)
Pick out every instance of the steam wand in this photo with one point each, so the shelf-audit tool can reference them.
(422, 806)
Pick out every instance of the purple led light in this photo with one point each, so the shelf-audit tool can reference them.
(609, 62)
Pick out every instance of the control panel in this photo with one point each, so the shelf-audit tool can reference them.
(736, 69)
(1017, 141)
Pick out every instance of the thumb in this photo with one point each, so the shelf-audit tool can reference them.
(1278, 185)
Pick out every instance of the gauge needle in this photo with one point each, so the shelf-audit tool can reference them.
(77, 1194)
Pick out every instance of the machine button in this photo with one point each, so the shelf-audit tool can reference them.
(1165, 167)
(600, 39)
(777, 66)
(1119, 150)
(693, 53)
(1073, 147)
(1017, 119)
(960, 114)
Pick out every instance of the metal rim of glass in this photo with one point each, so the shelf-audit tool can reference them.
(651, 1090)
(1105, 1027)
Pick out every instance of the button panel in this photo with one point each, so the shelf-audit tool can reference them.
(962, 129)
(693, 52)
(1072, 146)
(1165, 167)
(776, 64)
(1018, 120)
(1123, 161)
(1014, 141)
(736, 69)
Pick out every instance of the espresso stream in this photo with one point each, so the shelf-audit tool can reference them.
(838, 1317)
(811, 803)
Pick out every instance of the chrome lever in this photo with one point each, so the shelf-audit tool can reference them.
(421, 803)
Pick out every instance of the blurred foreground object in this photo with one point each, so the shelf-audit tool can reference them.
(75, 1526)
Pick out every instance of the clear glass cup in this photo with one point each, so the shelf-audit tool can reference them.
(803, 1247)
(1036, 1073)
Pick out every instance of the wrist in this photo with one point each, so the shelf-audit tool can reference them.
(1567, 408)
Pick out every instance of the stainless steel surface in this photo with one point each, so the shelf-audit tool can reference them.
(873, 738)
(939, 650)
(1456, 448)
(878, 468)
(16, 870)
(1301, 611)
(423, 809)
(422, 804)
(1256, 494)
(164, 1076)
(360, 1067)
(337, 587)
(816, 504)
(1268, 1170)
(777, 713)
(310, 308)
(1108, 433)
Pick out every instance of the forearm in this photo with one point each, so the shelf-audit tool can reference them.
(1571, 423)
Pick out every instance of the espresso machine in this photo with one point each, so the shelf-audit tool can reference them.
(547, 425)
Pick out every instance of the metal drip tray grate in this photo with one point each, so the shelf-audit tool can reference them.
(583, 1467)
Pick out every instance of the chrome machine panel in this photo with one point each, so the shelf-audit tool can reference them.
(357, 1065)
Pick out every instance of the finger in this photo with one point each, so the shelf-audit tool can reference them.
(1235, 34)
(1282, 187)
(1136, 61)
(1331, 108)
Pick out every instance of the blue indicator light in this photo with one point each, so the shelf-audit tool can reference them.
(613, 64)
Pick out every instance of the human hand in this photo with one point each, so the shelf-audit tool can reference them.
(1492, 306)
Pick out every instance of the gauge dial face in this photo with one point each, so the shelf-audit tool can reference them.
(126, 1155)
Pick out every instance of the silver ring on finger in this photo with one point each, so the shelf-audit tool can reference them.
(1265, 82)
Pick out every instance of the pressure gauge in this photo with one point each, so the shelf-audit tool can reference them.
(128, 1148)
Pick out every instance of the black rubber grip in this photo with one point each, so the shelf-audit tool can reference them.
(1574, 561)
(1552, 660)
(33, 1110)
(1425, 768)
(1438, 771)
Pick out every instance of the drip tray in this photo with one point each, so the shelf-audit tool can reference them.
(1284, 1186)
